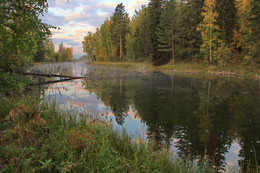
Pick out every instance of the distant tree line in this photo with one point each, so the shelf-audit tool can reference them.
(214, 31)
(46, 52)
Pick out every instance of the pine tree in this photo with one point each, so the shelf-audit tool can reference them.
(209, 30)
(119, 28)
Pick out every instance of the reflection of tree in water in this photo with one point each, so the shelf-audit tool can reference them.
(203, 116)
(214, 122)
(161, 103)
(246, 124)
(113, 93)
(119, 102)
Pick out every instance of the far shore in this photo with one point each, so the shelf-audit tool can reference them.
(241, 70)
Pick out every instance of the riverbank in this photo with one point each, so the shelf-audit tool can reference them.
(41, 138)
(190, 68)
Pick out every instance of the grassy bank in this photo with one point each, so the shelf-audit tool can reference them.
(40, 138)
(192, 68)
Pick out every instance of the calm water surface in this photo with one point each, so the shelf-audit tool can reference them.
(218, 117)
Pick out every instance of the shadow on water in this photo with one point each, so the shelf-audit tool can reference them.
(215, 118)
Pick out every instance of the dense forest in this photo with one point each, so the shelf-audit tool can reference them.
(24, 37)
(213, 31)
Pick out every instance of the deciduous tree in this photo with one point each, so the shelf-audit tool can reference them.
(209, 30)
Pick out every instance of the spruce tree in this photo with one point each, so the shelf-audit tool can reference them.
(167, 30)
(227, 19)
(249, 34)
(189, 38)
(155, 9)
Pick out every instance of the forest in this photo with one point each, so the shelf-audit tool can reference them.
(218, 32)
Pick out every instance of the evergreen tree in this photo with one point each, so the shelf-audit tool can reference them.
(155, 9)
(189, 37)
(137, 41)
(167, 29)
(249, 34)
(255, 23)
(119, 29)
(226, 19)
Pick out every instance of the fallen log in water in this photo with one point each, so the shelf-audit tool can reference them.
(54, 75)
(52, 82)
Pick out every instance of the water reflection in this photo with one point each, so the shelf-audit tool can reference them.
(218, 118)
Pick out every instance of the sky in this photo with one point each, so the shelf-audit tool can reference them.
(77, 17)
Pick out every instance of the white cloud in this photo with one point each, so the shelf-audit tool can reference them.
(136, 4)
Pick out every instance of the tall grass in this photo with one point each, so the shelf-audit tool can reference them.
(41, 138)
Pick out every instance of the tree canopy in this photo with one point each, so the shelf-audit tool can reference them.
(212, 31)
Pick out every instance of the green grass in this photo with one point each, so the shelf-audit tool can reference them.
(124, 65)
(40, 138)
(190, 67)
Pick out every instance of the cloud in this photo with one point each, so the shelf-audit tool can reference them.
(137, 4)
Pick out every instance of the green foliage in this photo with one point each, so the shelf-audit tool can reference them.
(193, 30)
(20, 31)
(168, 29)
(90, 45)
(227, 19)
(12, 83)
(45, 52)
(106, 45)
(137, 41)
(189, 39)
(155, 9)
(223, 54)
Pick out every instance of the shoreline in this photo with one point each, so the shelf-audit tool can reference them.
(189, 68)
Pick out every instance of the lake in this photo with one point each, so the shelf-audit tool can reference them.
(194, 116)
